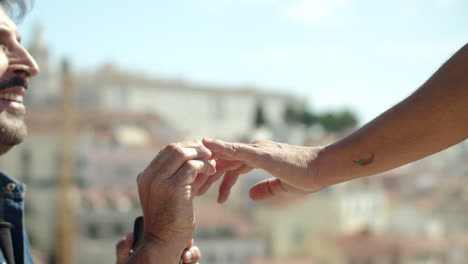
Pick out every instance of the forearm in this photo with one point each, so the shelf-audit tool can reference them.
(430, 120)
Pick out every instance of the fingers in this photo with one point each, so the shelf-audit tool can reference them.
(188, 172)
(123, 248)
(197, 144)
(229, 180)
(237, 151)
(200, 180)
(267, 189)
(171, 158)
(169, 161)
(192, 255)
(221, 167)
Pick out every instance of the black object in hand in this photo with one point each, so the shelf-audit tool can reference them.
(138, 233)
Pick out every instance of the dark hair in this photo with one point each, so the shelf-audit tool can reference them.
(15, 8)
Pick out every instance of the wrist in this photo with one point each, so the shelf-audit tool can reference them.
(323, 164)
(157, 252)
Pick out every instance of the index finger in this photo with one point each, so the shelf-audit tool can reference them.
(234, 151)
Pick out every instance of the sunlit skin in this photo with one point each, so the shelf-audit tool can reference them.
(431, 119)
(16, 67)
(167, 187)
(365, 161)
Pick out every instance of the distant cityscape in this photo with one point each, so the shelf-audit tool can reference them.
(416, 214)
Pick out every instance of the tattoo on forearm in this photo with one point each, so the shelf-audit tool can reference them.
(365, 161)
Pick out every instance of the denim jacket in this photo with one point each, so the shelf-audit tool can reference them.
(11, 217)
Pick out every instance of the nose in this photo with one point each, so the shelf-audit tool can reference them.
(22, 64)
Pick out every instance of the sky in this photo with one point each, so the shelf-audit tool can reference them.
(363, 55)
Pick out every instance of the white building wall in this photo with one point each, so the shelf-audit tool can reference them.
(363, 209)
(275, 107)
(43, 153)
(198, 113)
(230, 251)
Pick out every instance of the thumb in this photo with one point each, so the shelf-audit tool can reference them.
(273, 187)
(267, 189)
(233, 151)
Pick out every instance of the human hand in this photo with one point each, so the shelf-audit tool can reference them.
(167, 188)
(191, 254)
(123, 248)
(295, 168)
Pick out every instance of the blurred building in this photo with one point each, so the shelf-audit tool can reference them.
(363, 205)
(196, 110)
(104, 216)
(300, 227)
(226, 236)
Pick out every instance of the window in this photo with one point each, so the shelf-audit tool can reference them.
(93, 231)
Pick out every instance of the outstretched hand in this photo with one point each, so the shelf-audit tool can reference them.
(295, 168)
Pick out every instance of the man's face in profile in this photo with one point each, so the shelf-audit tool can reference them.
(16, 67)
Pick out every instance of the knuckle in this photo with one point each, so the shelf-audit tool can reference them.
(172, 147)
(169, 148)
(175, 150)
(258, 141)
(139, 178)
(235, 148)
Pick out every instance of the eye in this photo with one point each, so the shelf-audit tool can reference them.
(3, 46)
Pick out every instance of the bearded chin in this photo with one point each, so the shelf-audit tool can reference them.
(12, 128)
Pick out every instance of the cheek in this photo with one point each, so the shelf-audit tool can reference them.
(3, 63)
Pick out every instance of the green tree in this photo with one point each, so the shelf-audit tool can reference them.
(309, 118)
(291, 116)
(336, 122)
(260, 119)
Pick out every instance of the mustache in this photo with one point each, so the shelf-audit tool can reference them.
(15, 81)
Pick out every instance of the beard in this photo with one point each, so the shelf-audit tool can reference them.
(12, 128)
